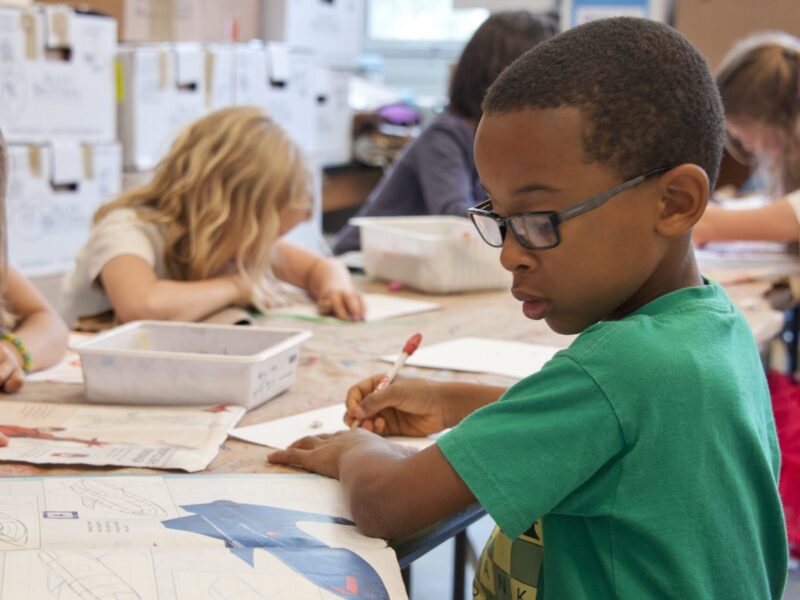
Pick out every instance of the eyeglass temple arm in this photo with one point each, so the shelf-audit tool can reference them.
(594, 202)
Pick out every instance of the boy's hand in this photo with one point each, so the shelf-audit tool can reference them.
(343, 303)
(12, 376)
(406, 407)
(321, 453)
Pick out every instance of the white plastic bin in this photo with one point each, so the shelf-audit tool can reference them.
(435, 254)
(155, 362)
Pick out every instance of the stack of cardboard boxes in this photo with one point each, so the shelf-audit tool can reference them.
(69, 92)
(58, 115)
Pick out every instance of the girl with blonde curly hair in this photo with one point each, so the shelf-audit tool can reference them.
(759, 81)
(205, 232)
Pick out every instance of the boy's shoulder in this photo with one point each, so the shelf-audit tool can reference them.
(671, 323)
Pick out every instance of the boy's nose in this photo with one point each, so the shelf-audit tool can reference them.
(515, 257)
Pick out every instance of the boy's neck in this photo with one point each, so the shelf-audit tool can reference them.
(676, 271)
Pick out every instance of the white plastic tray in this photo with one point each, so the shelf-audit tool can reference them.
(159, 362)
(436, 254)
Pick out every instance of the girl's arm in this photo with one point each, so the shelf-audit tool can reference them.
(775, 222)
(328, 281)
(40, 328)
(137, 293)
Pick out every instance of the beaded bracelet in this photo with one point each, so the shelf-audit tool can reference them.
(27, 359)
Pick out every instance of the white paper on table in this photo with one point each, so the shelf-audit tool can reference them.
(743, 254)
(124, 436)
(69, 369)
(193, 536)
(280, 433)
(379, 307)
(482, 355)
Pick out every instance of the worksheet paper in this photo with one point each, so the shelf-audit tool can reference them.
(157, 437)
(199, 537)
(482, 355)
(379, 307)
(280, 433)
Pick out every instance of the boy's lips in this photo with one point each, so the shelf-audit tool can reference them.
(533, 307)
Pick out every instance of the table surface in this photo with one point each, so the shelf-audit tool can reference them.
(340, 354)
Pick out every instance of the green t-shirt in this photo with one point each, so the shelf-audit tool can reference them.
(648, 450)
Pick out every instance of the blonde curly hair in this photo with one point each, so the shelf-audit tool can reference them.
(219, 192)
(759, 81)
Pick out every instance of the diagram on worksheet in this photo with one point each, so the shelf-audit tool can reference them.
(19, 524)
(213, 537)
(157, 437)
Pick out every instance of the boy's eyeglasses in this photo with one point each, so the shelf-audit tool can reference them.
(538, 230)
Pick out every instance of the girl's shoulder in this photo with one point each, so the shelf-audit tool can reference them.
(125, 217)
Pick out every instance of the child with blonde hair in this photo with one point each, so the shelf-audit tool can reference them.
(205, 233)
(33, 336)
(759, 82)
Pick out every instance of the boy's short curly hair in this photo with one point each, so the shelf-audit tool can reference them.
(646, 93)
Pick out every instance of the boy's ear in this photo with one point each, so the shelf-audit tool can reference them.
(684, 193)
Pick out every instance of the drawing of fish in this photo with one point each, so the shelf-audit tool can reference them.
(248, 527)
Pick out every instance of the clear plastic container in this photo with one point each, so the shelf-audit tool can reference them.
(158, 362)
(435, 254)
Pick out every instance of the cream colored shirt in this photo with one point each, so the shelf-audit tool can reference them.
(120, 232)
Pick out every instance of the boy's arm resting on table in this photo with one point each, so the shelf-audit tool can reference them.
(775, 222)
(382, 481)
(40, 328)
(327, 280)
(136, 292)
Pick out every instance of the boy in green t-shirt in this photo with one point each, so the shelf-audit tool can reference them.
(647, 448)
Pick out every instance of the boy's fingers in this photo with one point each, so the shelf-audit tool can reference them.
(306, 443)
(291, 456)
(375, 403)
(357, 393)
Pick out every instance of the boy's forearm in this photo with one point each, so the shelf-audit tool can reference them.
(462, 399)
(382, 485)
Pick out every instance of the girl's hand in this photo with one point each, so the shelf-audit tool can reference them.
(343, 303)
(411, 407)
(706, 229)
(12, 376)
(322, 453)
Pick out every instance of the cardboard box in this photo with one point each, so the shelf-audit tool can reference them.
(715, 25)
(251, 79)
(334, 135)
(290, 95)
(53, 192)
(162, 89)
(56, 75)
(220, 65)
(331, 29)
(178, 20)
(231, 20)
(283, 83)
